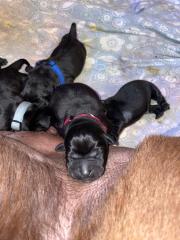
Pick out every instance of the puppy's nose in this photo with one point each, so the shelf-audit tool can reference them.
(85, 171)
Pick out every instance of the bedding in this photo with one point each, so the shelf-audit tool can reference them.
(125, 40)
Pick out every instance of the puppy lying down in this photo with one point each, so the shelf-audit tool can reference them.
(12, 82)
(79, 116)
(39, 201)
(82, 120)
(131, 102)
(63, 65)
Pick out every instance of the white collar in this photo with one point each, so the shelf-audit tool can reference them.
(19, 115)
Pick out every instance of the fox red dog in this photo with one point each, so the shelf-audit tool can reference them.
(39, 201)
(145, 203)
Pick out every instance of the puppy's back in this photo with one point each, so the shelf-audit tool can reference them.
(134, 90)
(75, 98)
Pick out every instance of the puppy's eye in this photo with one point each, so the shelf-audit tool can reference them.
(93, 154)
(76, 156)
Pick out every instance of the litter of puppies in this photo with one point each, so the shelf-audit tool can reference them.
(46, 96)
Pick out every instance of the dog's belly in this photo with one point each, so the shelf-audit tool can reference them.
(133, 115)
(76, 199)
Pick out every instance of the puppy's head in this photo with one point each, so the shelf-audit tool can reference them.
(39, 86)
(87, 148)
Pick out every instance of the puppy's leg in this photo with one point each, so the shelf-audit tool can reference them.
(73, 31)
(71, 35)
(156, 109)
(162, 105)
(3, 62)
(40, 119)
(17, 65)
(115, 130)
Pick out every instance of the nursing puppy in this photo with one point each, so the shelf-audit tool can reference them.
(11, 84)
(63, 66)
(130, 103)
(79, 116)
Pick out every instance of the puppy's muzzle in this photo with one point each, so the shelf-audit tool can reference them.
(85, 170)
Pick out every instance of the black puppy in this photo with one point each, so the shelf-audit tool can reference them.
(11, 84)
(130, 103)
(79, 116)
(63, 66)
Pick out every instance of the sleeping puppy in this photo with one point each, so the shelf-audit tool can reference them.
(63, 66)
(130, 103)
(11, 84)
(79, 116)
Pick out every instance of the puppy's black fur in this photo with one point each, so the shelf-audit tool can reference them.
(36, 119)
(3, 62)
(130, 103)
(85, 141)
(70, 57)
(11, 84)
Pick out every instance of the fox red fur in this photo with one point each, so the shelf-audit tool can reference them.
(145, 204)
(39, 201)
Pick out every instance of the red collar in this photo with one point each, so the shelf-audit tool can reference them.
(67, 121)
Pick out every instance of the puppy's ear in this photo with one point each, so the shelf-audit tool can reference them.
(60, 147)
(73, 31)
(111, 140)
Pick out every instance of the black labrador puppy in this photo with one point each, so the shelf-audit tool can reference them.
(12, 82)
(63, 66)
(78, 115)
(130, 103)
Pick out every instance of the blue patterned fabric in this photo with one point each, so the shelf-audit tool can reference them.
(125, 40)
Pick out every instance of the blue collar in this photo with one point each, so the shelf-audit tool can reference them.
(57, 71)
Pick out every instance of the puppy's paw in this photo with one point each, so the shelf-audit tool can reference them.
(159, 114)
(3, 61)
(60, 147)
(165, 106)
(28, 68)
(111, 139)
(52, 131)
(73, 31)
